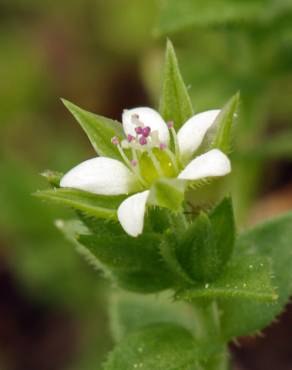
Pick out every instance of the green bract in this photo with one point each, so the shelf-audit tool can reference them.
(136, 224)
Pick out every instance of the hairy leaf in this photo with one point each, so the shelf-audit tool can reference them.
(247, 278)
(160, 347)
(223, 227)
(135, 262)
(272, 240)
(208, 242)
(131, 311)
(72, 228)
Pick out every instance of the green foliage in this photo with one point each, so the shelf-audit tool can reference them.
(99, 206)
(224, 124)
(175, 103)
(208, 242)
(222, 288)
(224, 230)
(135, 263)
(246, 278)
(157, 347)
(169, 193)
(131, 311)
(99, 130)
(270, 240)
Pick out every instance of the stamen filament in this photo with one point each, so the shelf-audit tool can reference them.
(129, 164)
(176, 145)
(123, 155)
(172, 158)
(155, 163)
(137, 168)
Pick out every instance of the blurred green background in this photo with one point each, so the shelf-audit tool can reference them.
(106, 56)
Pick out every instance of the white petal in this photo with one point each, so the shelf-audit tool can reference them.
(149, 117)
(100, 175)
(211, 164)
(191, 134)
(131, 213)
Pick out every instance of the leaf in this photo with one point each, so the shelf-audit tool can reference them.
(159, 347)
(135, 262)
(247, 278)
(131, 311)
(168, 193)
(70, 229)
(208, 242)
(271, 240)
(168, 248)
(224, 123)
(100, 206)
(101, 226)
(198, 254)
(100, 130)
(175, 103)
(223, 226)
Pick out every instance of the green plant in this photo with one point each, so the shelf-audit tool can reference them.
(185, 283)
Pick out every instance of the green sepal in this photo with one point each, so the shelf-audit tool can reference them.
(168, 193)
(100, 206)
(224, 124)
(175, 103)
(100, 130)
(53, 177)
(135, 262)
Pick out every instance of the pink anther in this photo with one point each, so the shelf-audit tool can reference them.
(134, 162)
(170, 124)
(139, 130)
(115, 140)
(143, 140)
(130, 138)
(162, 146)
(146, 131)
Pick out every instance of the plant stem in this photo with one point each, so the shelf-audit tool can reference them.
(208, 333)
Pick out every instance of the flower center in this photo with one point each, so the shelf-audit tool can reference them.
(146, 156)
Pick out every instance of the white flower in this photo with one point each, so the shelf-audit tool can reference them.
(145, 156)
